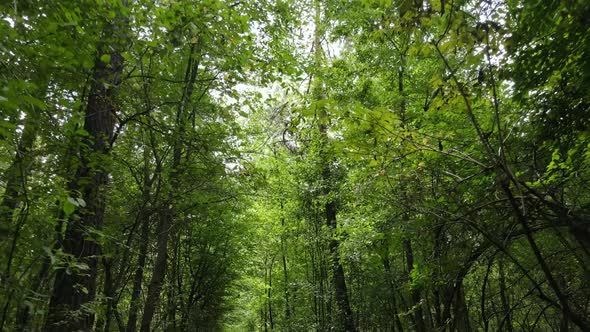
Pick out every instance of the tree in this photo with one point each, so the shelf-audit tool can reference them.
(76, 288)
(294, 165)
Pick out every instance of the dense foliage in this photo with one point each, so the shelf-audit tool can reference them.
(339, 165)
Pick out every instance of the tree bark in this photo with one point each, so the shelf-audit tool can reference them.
(461, 312)
(75, 288)
(580, 320)
(343, 310)
(285, 273)
(160, 265)
(167, 212)
(109, 293)
(269, 295)
(143, 216)
(507, 319)
(397, 324)
(414, 294)
(138, 276)
(344, 313)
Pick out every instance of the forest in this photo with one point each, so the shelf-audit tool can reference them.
(295, 165)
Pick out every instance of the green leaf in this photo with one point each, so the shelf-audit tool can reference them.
(35, 102)
(87, 64)
(82, 132)
(80, 202)
(69, 207)
(106, 58)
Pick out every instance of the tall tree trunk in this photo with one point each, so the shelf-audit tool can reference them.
(269, 295)
(109, 293)
(483, 296)
(264, 319)
(175, 288)
(286, 282)
(461, 312)
(160, 265)
(285, 275)
(314, 282)
(74, 288)
(139, 271)
(507, 319)
(397, 324)
(414, 293)
(343, 311)
(167, 212)
(143, 216)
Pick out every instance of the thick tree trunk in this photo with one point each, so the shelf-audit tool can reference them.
(75, 287)
(461, 313)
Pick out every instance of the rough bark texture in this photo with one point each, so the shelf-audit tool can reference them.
(74, 290)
